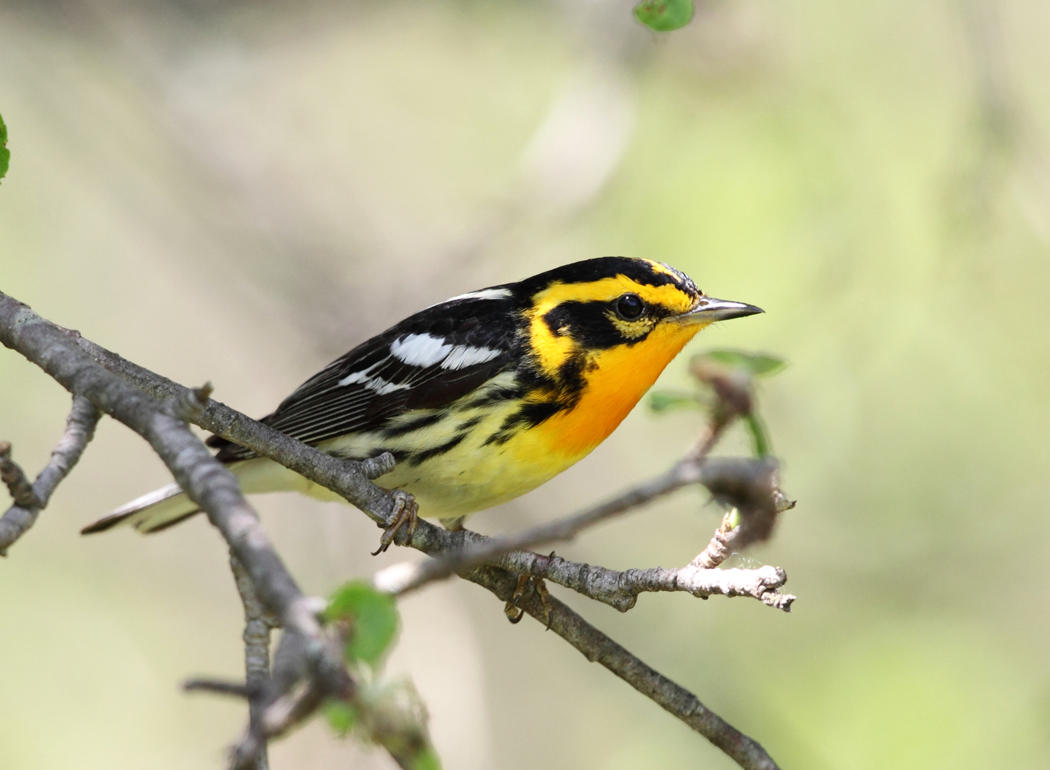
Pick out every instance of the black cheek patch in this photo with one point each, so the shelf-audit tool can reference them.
(590, 325)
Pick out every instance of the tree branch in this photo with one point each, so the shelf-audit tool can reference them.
(308, 667)
(257, 626)
(204, 479)
(599, 648)
(29, 500)
(742, 480)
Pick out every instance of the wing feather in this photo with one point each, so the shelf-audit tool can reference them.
(462, 344)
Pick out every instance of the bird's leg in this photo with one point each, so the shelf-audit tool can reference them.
(405, 512)
(512, 608)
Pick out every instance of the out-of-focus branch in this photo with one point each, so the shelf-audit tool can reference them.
(257, 626)
(30, 499)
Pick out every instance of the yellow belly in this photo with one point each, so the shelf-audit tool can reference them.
(473, 476)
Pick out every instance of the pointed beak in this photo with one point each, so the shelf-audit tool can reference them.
(708, 310)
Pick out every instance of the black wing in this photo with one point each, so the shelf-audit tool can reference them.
(425, 362)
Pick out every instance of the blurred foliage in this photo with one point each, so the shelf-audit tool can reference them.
(726, 380)
(377, 711)
(5, 154)
(664, 15)
(370, 621)
(239, 192)
(752, 364)
(341, 716)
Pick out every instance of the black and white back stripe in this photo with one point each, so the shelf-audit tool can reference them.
(426, 362)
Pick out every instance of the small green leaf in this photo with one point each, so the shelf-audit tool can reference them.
(426, 760)
(755, 364)
(5, 154)
(760, 443)
(372, 617)
(733, 514)
(341, 716)
(665, 400)
(664, 15)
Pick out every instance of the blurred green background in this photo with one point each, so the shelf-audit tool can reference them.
(239, 192)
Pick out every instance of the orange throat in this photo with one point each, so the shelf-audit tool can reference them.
(617, 380)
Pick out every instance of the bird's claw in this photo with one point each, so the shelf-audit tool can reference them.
(513, 610)
(405, 512)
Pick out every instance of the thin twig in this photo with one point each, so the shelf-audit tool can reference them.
(14, 478)
(80, 427)
(257, 626)
(219, 687)
(720, 473)
(597, 647)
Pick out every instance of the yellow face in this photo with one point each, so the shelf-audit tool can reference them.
(554, 346)
(618, 354)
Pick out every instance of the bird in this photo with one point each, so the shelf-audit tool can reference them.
(482, 397)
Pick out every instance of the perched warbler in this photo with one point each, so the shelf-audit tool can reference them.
(483, 397)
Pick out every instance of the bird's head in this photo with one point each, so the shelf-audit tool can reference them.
(588, 315)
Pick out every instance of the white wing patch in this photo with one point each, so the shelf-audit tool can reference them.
(355, 377)
(377, 384)
(382, 387)
(427, 350)
(420, 349)
(465, 355)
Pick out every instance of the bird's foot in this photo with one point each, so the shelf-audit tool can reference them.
(405, 513)
(513, 610)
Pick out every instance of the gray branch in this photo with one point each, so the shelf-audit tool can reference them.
(29, 500)
(156, 408)
(257, 626)
(599, 648)
(748, 484)
(204, 479)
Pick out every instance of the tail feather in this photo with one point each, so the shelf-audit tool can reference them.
(152, 512)
(169, 505)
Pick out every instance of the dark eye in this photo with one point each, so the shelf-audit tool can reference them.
(629, 306)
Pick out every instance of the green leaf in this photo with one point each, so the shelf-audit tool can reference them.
(427, 760)
(5, 154)
(664, 15)
(755, 364)
(665, 400)
(734, 517)
(341, 716)
(760, 443)
(372, 617)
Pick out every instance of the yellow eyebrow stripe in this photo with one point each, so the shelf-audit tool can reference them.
(608, 289)
(552, 350)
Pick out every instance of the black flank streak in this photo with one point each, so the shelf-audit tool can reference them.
(412, 425)
(529, 415)
(465, 426)
(494, 396)
(421, 457)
